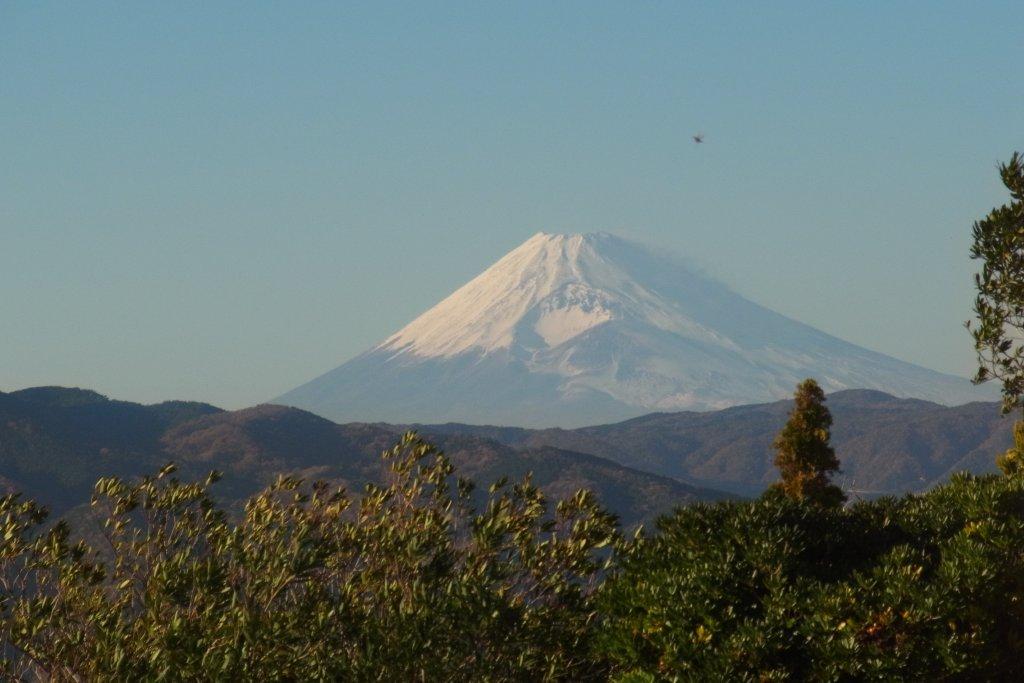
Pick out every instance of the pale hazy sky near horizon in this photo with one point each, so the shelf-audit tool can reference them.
(220, 201)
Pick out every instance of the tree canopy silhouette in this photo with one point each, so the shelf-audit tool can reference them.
(999, 305)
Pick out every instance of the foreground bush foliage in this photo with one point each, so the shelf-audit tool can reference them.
(924, 588)
(412, 583)
(407, 584)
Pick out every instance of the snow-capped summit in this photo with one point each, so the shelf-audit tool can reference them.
(541, 294)
(575, 329)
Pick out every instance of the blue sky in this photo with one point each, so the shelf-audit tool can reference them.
(219, 201)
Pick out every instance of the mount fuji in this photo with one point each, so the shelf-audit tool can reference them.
(570, 330)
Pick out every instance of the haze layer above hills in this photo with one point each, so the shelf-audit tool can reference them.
(569, 330)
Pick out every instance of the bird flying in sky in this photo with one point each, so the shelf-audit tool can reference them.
(698, 138)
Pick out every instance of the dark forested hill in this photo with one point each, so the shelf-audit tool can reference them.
(55, 443)
(885, 444)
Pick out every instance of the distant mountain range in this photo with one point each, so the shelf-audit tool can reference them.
(571, 330)
(885, 444)
(55, 443)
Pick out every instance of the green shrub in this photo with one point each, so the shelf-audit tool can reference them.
(923, 587)
(409, 583)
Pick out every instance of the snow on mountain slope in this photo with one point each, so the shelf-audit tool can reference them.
(576, 329)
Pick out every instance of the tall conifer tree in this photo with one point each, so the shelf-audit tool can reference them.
(803, 454)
